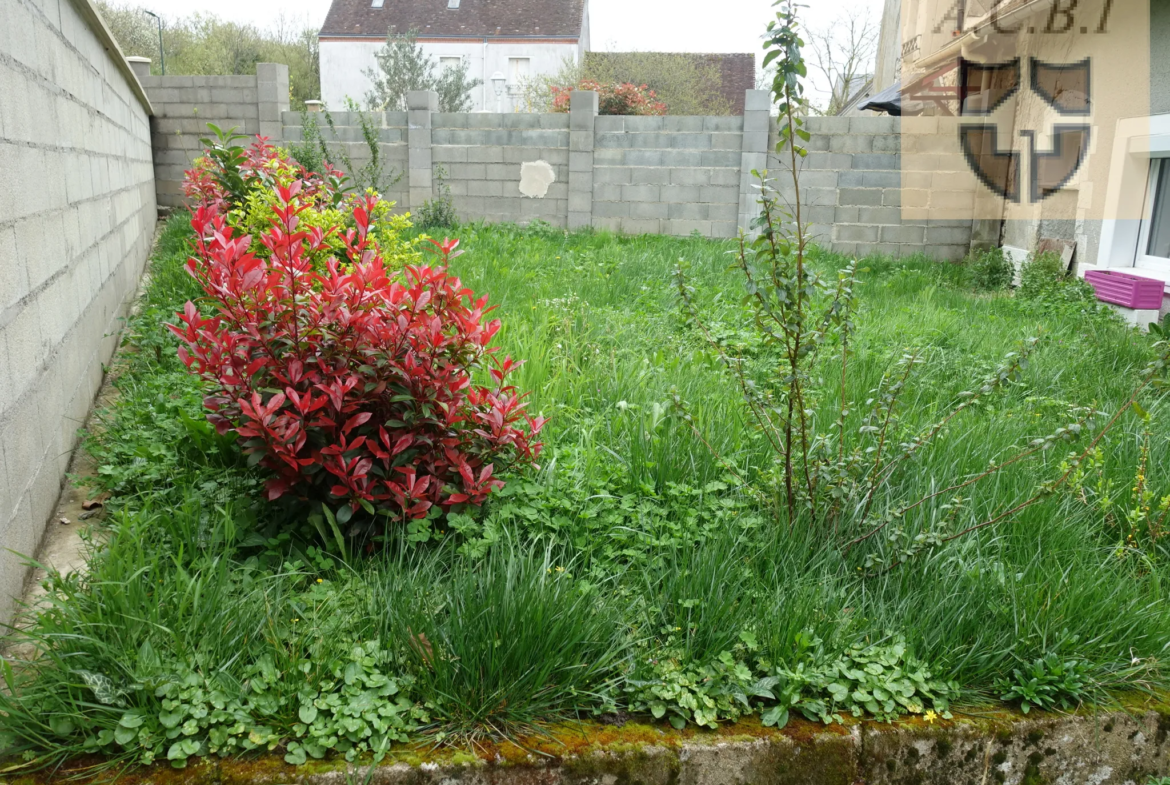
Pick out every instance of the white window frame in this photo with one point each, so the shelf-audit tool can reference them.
(1143, 260)
(457, 58)
(515, 59)
(1137, 143)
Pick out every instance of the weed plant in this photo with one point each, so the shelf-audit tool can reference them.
(439, 211)
(990, 270)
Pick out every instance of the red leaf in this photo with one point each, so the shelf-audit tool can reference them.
(355, 421)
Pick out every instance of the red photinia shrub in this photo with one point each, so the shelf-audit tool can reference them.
(351, 386)
(220, 178)
(625, 98)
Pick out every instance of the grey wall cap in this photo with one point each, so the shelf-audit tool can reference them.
(93, 17)
(139, 65)
(586, 101)
(422, 99)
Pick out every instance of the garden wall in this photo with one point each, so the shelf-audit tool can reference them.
(662, 175)
(184, 105)
(852, 188)
(77, 214)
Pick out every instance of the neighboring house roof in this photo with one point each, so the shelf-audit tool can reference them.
(859, 88)
(737, 72)
(472, 19)
(853, 105)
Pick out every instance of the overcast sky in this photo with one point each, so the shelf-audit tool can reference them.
(621, 25)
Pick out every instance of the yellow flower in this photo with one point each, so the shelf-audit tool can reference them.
(319, 581)
(930, 716)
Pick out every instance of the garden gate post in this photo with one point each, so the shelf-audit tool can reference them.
(757, 125)
(421, 106)
(582, 116)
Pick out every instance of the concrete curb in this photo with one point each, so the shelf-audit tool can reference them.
(1110, 748)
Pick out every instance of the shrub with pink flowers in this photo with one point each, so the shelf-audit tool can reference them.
(613, 99)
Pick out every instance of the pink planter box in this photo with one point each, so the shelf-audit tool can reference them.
(1132, 291)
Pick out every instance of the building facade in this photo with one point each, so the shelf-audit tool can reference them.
(1055, 114)
(518, 39)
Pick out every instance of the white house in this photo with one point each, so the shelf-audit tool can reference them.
(515, 38)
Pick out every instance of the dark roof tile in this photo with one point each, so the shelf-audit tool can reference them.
(473, 18)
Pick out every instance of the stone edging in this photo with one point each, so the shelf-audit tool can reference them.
(1113, 748)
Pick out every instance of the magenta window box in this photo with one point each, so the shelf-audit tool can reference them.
(1126, 289)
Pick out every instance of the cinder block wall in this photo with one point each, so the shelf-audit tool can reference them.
(482, 155)
(667, 175)
(661, 175)
(77, 214)
(852, 184)
(345, 136)
(184, 105)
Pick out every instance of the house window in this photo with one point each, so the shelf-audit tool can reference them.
(518, 70)
(449, 62)
(1154, 241)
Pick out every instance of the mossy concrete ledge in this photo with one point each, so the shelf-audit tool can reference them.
(1093, 749)
(1106, 748)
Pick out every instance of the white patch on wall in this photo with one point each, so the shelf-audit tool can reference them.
(535, 178)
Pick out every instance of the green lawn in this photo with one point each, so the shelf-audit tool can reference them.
(632, 571)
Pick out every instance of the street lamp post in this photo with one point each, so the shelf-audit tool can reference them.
(161, 56)
(498, 80)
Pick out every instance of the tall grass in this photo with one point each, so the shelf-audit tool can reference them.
(505, 644)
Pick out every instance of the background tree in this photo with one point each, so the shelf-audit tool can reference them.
(843, 52)
(204, 44)
(687, 84)
(404, 66)
(536, 92)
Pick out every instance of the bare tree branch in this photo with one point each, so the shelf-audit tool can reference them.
(844, 52)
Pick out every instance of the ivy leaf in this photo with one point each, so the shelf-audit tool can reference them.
(102, 687)
(170, 719)
(62, 726)
(131, 720)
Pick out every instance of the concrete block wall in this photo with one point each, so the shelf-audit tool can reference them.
(345, 138)
(852, 186)
(77, 216)
(668, 175)
(663, 175)
(483, 153)
(184, 105)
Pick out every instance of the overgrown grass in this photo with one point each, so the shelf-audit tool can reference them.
(222, 624)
